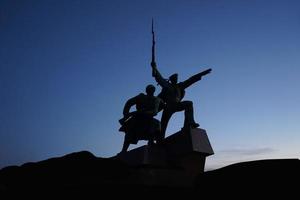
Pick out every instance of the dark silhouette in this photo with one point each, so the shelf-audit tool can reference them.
(271, 177)
(82, 173)
(141, 124)
(172, 93)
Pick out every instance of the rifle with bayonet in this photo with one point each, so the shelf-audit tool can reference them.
(153, 64)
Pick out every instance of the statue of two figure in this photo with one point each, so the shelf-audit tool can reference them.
(141, 124)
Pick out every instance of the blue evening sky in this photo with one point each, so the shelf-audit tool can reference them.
(68, 67)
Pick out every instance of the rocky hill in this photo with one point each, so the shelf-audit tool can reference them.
(82, 173)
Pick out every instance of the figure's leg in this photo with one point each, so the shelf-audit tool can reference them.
(166, 115)
(150, 141)
(189, 120)
(125, 144)
(154, 133)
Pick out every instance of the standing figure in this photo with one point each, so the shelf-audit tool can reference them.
(141, 124)
(172, 93)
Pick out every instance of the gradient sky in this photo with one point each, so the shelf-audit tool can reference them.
(68, 67)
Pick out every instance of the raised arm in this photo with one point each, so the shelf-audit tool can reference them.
(195, 78)
(158, 77)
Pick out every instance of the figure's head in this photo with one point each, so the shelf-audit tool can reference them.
(173, 78)
(150, 89)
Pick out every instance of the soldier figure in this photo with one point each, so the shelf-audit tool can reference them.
(141, 124)
(172, 93)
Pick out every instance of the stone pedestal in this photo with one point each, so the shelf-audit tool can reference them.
(153, 155)
(189, 141)
(180, 158)
(189, 149)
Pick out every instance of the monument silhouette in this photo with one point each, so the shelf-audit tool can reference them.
(186, 150)
(140, 124)
(172, 94)
(173, 165)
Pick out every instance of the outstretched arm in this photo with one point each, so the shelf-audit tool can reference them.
(158, 77)
(195, 78)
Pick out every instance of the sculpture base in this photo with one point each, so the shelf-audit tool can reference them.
(153, 155)
(176, 162)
